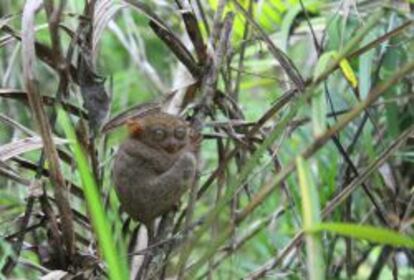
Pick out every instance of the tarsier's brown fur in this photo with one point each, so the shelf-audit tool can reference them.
(154, 166)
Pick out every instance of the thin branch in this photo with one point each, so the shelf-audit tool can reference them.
(28, 59)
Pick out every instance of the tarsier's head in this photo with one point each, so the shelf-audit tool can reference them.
(161, 131)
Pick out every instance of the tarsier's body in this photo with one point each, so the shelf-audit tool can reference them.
(154, 166)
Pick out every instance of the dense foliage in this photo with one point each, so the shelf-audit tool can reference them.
(305, 107)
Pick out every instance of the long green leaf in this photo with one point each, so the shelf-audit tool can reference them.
(369, 233)
(311, 216)
(117, 269)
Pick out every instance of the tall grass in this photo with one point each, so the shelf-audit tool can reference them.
(114, 260)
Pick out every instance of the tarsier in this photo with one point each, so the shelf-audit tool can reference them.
(154, 166)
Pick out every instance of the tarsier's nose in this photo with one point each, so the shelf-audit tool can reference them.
(172, 148)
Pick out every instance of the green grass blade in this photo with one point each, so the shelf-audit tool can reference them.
(369, 233)
(117, 269)
(311, 216)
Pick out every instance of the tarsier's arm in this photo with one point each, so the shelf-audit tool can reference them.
(143, 158)
(180, 174)
(146, 155)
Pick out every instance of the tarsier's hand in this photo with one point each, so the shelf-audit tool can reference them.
(187, 165)
(195, 140)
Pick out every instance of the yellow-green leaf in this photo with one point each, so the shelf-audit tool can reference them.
(348, 72)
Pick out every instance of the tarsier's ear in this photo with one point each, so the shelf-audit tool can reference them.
(134, 127)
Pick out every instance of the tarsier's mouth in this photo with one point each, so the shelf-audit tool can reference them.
(172, 148)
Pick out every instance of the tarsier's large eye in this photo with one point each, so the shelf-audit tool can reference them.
(159, 134)
(180, 132)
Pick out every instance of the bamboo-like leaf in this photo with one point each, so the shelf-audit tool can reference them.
(319, 110)
(288, 21)
(323, 63)
(25, 145)
(348, 72)
(344, 65)
(374, 234)
(311, 217)
(117, 268)
(365, 68)
(19, 94)
(104, 13)
(133, 112)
